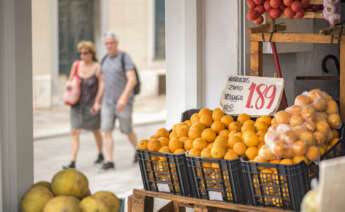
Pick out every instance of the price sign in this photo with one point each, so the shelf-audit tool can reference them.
(255, 96)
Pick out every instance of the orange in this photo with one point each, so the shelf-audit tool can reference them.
(218, 152)
(286, 161)
(239, 148)
(322, 126)
(265, 153)
(319, 137)
(259, 160)
(230, 156)
(182, 131)
(175, 144)
(277, 161)
(274, 121)
(205, 111)
(206, 153)
(298, 159)
(234, 126)
(249, 121)
(294, 110)
(232, 133)
(279, 148)
(226, 120)
(179, 151)
(238, 134)
(217, 115)
(217, 126)
(307, 137)
(261, 126)
(316, 94)
(184, 139)
(199, 143)
(299, 148)
(153, 145)
(265, 119)
(313, 153)
(334, 120)
(194, 133)
(330, 136)
(188, 123)
(282, 117)
(224, 133)
(320, 105)
(162, 132)
(173, 135)
(309, 125)
(261, 133)
(194, 152)
(251, 152)
(334, 141)
(164, 141)
(321, 116)
(332, 107)
(194, 116)
(308, 113)
(210, 145)
(232, 140)
(153, 137)
(208, 134)
(142, 145)
(302, 100)
(288, 137)
(247, 127)
(198, 126)
(164, 149)
(188, 144)
(296, 120)
(289, 152)
(242, 118)
(250, 138)
(221, 141)
(206, 120)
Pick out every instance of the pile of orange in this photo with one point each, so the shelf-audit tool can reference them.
(211, 134)
(304, 131)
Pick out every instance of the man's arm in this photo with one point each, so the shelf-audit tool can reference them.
(131, 82)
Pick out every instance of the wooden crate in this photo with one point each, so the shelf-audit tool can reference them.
(142, 201)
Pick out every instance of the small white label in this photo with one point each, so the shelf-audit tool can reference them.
(214, 195)
(163, 187)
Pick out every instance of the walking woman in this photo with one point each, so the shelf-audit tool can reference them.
(85, 114)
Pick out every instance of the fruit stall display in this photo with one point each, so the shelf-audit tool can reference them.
(265, 161)
(297, 9)
(69, 192)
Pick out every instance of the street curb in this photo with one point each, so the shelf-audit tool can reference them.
(67, 132)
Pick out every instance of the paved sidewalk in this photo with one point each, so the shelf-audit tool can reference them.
(55, 121)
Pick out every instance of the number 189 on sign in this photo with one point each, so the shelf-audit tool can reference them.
(261, 96)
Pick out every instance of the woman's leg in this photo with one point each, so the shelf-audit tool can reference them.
(99, 140)
(75, 134)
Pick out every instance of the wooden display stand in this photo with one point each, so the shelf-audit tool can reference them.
(270, 32)
(142, 201)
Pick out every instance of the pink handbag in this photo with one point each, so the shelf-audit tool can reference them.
(72, 93)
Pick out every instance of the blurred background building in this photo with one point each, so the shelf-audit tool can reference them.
(58, 25)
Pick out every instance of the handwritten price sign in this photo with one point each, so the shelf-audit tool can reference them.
(255, 96)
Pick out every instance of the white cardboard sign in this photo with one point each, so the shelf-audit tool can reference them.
(255, 96)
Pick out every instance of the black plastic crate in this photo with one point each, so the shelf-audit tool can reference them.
(283, 186)
(215, 179)
(163, 172)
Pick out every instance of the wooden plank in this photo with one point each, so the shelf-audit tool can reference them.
(307, 15)
(282, 37)
(316, 1)
(178, 208)
(342, 80)
(130, 203)
(168, 207)
(256, 58)
(206, 203)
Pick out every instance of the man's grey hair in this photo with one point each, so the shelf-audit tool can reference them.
(111, 34)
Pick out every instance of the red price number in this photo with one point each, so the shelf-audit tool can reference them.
(265, 93)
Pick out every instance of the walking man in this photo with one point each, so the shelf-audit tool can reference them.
(119, 82)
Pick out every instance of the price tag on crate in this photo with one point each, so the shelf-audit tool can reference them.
(255, 96)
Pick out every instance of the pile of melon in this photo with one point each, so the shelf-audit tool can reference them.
(68, 192)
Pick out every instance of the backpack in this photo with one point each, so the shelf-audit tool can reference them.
(136, 89)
